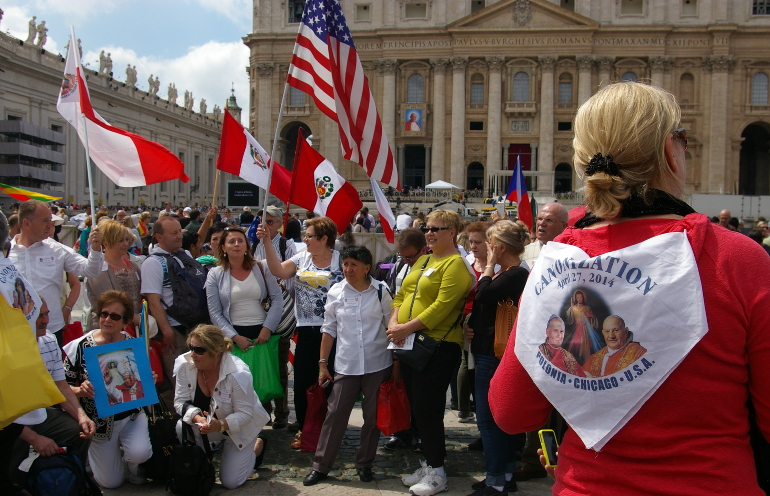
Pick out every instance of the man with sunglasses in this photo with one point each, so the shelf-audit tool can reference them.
(285, 248)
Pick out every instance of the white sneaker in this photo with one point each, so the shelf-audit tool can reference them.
(431, 483)
(411, 480)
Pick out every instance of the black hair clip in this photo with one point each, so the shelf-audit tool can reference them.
(602, 164)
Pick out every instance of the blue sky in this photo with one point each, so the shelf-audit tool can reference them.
(196, 44)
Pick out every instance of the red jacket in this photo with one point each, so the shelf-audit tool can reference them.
(691, 436)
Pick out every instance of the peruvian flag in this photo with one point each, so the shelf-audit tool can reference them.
(517, 192)
(386, 213)
(316, 186)
(242, 155)
(126, 158)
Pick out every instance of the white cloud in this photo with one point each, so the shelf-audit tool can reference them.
(207, 71)
(239, 11)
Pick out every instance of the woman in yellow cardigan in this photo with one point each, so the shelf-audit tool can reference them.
(431, 300)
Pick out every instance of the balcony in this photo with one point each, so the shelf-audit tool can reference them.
(297, 110)
(758, 109)
(34, 152)
(38, 173)
(690, 108)
(520, 108)
(31, 132)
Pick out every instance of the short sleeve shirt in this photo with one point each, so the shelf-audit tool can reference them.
(311, 284)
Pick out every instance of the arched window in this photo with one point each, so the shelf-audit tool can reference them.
(687, 88)
(296, 97)
(521, 87)
(629, 76)
(563, 178)
(565, 88)
(759, 89)
(475, 176)
(477, 88)
(415, 89)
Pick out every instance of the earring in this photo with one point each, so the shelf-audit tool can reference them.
(225, 255)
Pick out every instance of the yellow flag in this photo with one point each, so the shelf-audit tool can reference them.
(25, 383)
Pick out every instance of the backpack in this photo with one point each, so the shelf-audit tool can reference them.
(60, 475)
(190, 470)
(187, 278)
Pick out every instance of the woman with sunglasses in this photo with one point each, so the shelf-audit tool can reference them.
(118, 271)
(314, 272)
(630, 152)
(126, 430)
(431, 300)
(215, 395)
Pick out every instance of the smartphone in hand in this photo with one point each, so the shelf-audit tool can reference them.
(550, 446)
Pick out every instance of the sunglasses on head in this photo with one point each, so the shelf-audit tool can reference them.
(114, 316)
(433, 229)
(198, 350)
(236, 229)
(680, 134)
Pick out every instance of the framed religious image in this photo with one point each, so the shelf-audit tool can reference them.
(413, 119)
(121, 375)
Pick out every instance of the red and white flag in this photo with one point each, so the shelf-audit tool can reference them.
(317, 186)
(387, 219)
(326, 66)
(126, 158)
(242, 155)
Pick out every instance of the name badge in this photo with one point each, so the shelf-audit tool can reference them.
(351, 302)
(225, 397)
(47, 261)
(429, 272)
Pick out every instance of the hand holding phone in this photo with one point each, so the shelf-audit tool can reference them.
(550, 446)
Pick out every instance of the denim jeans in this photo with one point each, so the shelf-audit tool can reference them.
(499, 447)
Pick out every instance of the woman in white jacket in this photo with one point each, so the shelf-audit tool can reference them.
(222, 403)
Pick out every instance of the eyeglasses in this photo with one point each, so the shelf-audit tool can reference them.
(425, 230)
(114, 316)
(198, 350)
(681, 134)
(308, 236)
(412, 258)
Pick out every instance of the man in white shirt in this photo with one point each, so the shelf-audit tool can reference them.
(271, 222)
(67, 424)
(551, 221)
(80, 219)
(43, 261)
(403, 221)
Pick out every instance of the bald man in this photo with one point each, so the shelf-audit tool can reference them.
(724, 219)
(620, 352)
(551, 221)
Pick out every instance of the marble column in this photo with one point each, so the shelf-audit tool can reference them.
(265, 131)
(494, 115)
(533, 161)
(438, 158)
(658, 70)
(427, 176)
(387, 67)
(605, 70)
(585, 66)
(720, 66)
(457, 149)
(545, 161)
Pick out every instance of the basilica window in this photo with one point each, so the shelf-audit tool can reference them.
(416, 10)
(629, 76)
(415, 89)
(296, 8)
(477, 89)
(687, 88)
(568, 4)
(476, 5)
(689, 8)
(296, 97)
(565, 88)
(363, 13)
(761, 7)
(631, 7)
(521, 87)
(759, 88)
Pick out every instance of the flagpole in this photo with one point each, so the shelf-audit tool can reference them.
(90, 173)
(216, 186)
(275, 147)
(297, 149)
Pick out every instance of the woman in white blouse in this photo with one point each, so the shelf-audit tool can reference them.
(355, 315)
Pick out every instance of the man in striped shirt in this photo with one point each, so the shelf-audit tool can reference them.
(46, 429)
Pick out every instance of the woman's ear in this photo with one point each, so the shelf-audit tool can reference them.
(672, 154)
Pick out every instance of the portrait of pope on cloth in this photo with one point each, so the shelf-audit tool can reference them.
(552, 349)
(620, 352)
(414, 121)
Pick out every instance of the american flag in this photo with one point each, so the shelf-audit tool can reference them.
(326, 66)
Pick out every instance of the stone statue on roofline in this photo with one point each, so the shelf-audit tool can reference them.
(32, 30)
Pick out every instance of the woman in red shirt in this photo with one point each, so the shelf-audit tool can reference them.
(692, 435)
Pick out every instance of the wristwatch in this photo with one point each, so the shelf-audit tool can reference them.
(222, 427)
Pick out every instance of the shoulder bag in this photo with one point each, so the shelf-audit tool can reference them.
(288, 320)
(425, 347)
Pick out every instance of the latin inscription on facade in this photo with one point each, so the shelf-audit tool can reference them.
(539, 41)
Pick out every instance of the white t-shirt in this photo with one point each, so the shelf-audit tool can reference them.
(49, 351)
(245, 298)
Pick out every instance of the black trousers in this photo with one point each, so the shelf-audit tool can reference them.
(8, 436)
(306, 356)
(427, 396)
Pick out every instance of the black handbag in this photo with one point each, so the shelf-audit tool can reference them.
(425, 347)
(162, 427)
(191, 472)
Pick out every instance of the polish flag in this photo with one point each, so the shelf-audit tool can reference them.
(242, 155)
(126, 158)
(517, 192)
(316, 186)
(386, 213)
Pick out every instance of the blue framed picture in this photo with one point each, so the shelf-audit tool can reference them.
(121, 375)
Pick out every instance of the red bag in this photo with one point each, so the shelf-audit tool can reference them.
(393, 414)
(314, 417)
(155, 352)
(72, 332)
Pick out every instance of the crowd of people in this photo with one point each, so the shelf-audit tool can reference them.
(436, 317)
